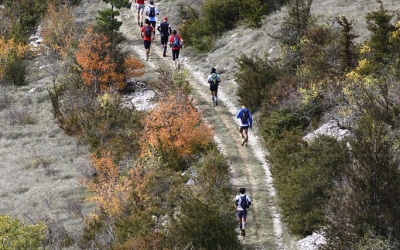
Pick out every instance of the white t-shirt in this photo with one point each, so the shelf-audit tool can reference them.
(238, 200)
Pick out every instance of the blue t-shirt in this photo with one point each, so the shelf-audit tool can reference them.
(249, 121)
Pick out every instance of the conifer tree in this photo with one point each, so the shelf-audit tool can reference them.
(107, 22)
(367, 200)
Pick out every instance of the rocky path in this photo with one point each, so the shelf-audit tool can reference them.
(247, 165)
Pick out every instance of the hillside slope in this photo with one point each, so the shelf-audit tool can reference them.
(41, 166)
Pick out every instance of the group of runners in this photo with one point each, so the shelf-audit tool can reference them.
(170, 37)
(148, 30)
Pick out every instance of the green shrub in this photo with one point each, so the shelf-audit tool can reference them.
(15, 70)
(276, 123)
(14, 235)
(100, 122)
(368, 197)
(223, 15)
(305, 175)
(203, 25)
(198, 33)
(206, 217)
(254, 78)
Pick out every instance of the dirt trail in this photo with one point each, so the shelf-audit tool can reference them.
(247, 165)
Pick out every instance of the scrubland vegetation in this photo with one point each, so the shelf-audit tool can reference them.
(152, 169)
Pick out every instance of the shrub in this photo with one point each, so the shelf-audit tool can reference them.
(369, 192)
(174, 131)
(305, 176)
(205, 223)
(223, 15)
(276, 123)
(22, 18)
(104, 67)
(14, 235)
(205, 217)
(254, 78)
(198, 33)
(12, 64)
(203, 25)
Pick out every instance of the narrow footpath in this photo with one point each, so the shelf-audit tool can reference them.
(248, 167)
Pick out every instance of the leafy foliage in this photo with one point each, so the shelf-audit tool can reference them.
(14, 235)
(98, 67)
(110, 190)
(21, 18)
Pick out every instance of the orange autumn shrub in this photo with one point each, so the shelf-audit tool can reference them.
(110, 190)
(174, 129)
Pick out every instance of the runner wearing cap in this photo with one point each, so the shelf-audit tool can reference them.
(165, 30)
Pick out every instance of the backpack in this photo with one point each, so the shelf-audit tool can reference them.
(214, 79)
(147, 31)
(176, 43)
(152, 12)
(245, 116)
(243, 202)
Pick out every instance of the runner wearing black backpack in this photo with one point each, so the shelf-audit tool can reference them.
(246, 122)
(242, 202)
(152, 13)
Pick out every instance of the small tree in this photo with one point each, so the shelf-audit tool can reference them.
(292, 30)
(59, 30)
(107, 22)
(348, 53)
(104, 67)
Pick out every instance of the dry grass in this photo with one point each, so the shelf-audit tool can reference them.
(40, 166)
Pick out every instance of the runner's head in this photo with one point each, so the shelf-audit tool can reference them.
(165, 18)
(213, 70)
(242, 190)
(146, 21)
(151, 2)
(174, 32)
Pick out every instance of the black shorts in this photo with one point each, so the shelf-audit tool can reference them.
(213, 87)
(244, 127)
(164, 39)
(147, 44)
(175, 54)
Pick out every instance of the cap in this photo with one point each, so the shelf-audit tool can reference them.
(213, 70)
(165, 18)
